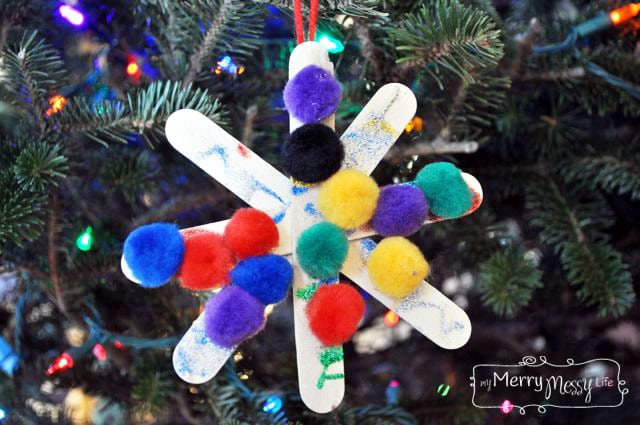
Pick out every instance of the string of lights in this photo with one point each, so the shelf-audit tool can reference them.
(598, 23)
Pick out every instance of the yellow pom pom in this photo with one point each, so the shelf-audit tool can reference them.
(348, 199)
(396, 267)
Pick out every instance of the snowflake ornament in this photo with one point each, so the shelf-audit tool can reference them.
(296, 207)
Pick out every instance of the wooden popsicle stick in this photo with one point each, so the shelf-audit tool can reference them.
(321, 385)
(196, 359)
(429, 311)
(201, 371)
(284, 226)
(231, 163)
(366, 141)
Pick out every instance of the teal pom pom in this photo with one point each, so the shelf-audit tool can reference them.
(321, 250)
(445, 189)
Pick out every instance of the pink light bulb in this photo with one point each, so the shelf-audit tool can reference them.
(506, 407)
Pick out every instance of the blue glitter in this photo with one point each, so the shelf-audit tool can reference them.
(218, 151)
(259, 186)
(366, 248)
(368, 245)
(333, 279)
(310, 209)
(299, 190)
(278, 217)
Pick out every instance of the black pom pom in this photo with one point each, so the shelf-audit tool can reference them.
(313, 153)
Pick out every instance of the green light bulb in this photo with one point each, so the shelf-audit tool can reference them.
(85, 240)
(333, 45)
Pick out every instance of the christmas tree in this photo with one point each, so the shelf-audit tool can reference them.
(538, 99)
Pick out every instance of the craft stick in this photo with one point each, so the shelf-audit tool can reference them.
(231, 163)
(318, 393)
(284, 226)
(366, 141)
(426, 309)
(196, 359)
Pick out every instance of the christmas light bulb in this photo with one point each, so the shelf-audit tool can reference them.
(506, 407)
(56, 103)
(333, 45)
(133, 69)
(391, 319)
(273, 404)
(85, 240)
(65, 361)
(624, 13)
(72, 15)
(99, 352)
(443, 390)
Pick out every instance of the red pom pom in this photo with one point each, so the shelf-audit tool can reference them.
(251, 232)
(207, 261)
(334, 313)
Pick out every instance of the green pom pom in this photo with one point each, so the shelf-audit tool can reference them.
(445, 189)
(321, 250)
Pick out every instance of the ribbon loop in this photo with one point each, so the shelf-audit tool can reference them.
(299, 23)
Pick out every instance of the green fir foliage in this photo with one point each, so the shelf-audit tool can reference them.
(448, 37)
(507, 281)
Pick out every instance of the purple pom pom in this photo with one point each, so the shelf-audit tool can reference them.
(401, 210)
(312, 95)
(232, 316)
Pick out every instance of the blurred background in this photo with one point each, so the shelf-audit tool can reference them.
(539, 99)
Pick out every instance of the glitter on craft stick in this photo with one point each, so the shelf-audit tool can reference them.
(415, 301)
(328, 357)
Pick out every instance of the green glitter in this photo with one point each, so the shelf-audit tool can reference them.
(307, 292)
(331, 355)
(328, 357)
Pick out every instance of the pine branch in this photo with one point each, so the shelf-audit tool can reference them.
(102, 121)
(507, 282)
(129, 174)
(52, 250)
(612, 174)
(32, 72)
(148, 109)
(21, 211)
(145, 113)
(151, 391)
(448, 36)
(40, 165)
(575, 226)
(441, 144)
(476, 106)
(230, 27)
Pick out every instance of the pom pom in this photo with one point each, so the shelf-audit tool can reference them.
(207, 261)
(321, 250)
(251, 232)
(312, 95)
(334, 313)
(233, 316)
(401, 210)
(312, 153)
(348, 199)
(154, 253)
(396, 267)
(445, 189)
(267, 277)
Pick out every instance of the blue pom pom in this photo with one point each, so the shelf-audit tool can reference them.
(154, 253)
(267, 277)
